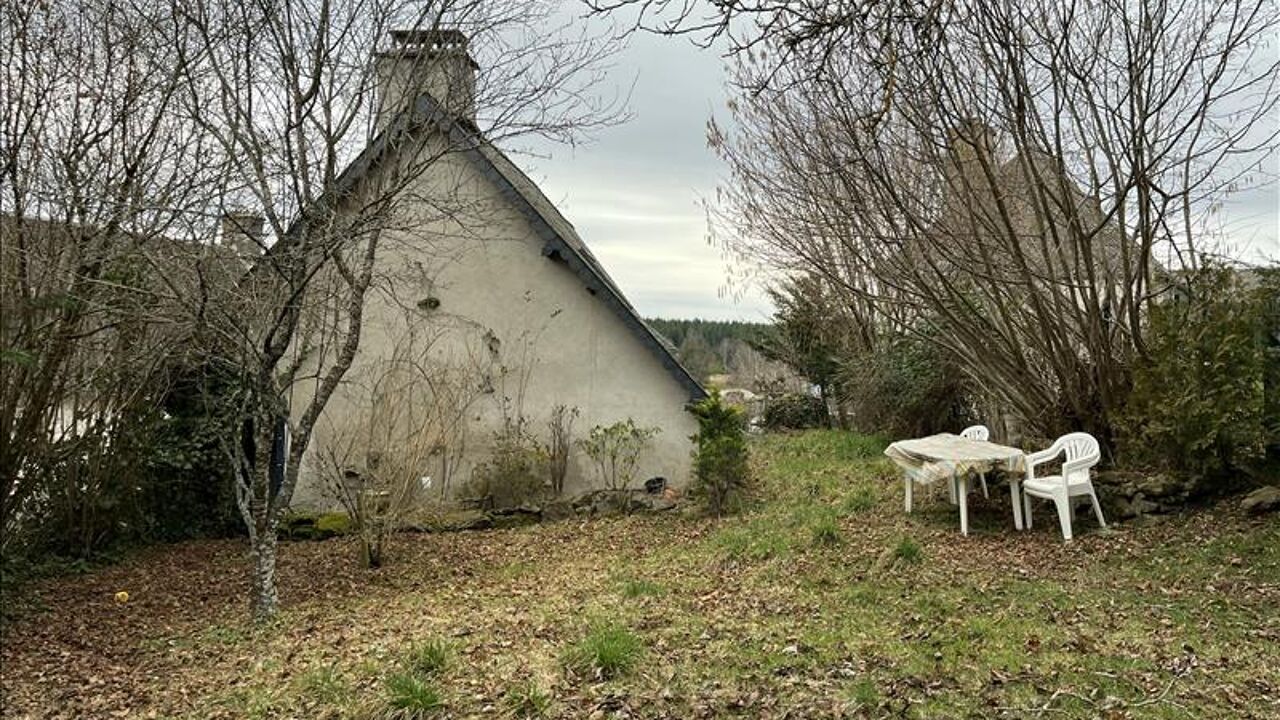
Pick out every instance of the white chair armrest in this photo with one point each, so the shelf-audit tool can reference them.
(1071, 466)
(1036, 458)
(1042, 456)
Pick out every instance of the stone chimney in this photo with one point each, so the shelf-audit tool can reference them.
(242, 231)
(425, 61)
(970, 140)
(971, 145)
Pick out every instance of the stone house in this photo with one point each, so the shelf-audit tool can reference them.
(1039, 236)
(489, 313)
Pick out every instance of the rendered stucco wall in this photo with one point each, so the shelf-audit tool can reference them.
(526, 327)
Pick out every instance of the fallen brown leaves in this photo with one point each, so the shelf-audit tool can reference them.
(992, 622)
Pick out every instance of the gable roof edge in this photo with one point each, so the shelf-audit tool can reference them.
(471, 143)
(554, 242)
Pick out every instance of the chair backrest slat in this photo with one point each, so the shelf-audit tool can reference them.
(1080, 448)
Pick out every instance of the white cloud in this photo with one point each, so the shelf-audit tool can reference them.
(634, 192)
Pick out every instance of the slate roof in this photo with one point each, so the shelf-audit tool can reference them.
(1022, 204)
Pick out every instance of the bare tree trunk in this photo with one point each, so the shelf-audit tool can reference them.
(264, 599)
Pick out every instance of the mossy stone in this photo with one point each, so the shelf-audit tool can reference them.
(331, 524)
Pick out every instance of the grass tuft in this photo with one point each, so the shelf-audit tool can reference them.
(609, 650)
(638, 587)
(825, 531)
(527, 700)
(412, 697)
(428, 658)
(324, 685)
(865, 694)
(908, 551)
(859, 501)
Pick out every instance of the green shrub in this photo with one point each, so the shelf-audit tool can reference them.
(811, 331)
(515, 474)
(412, 697)
(146, 464)
(720, 462)
(334, 523)
(1199, 401)
(429, 657)
(608, 649)
(794, 411)
(1269, 304)
(189, 491)
(907, 387)
(615, 450)
(527, 700)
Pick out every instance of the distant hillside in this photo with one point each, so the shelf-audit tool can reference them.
(713, 331)
(722, 348)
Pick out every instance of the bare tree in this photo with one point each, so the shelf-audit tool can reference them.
(95, 174)
(289, 96)
(169, 129)
(818, 35)
(1036, 173)
(398, 439)
(560, 445)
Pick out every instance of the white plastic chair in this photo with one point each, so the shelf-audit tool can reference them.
(978, 432)
(1082, 453)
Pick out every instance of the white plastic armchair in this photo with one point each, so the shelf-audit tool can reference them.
(978, 432)
(1081, 453)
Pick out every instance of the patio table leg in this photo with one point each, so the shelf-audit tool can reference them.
(1017, 503)
(963, 481)
(906, 479)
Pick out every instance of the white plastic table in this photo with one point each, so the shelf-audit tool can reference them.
(946, 456)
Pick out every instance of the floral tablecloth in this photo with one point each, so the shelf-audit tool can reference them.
(942, 456)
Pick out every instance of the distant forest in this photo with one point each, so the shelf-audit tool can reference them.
(713, 331)
(717, 347)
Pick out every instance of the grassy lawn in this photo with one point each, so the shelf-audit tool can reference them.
(824, 601)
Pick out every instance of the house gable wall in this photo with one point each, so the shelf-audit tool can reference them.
(467, 273)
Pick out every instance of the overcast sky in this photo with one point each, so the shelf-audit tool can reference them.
(634, 192)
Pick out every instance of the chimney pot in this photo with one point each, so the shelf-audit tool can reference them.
(435, 62)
